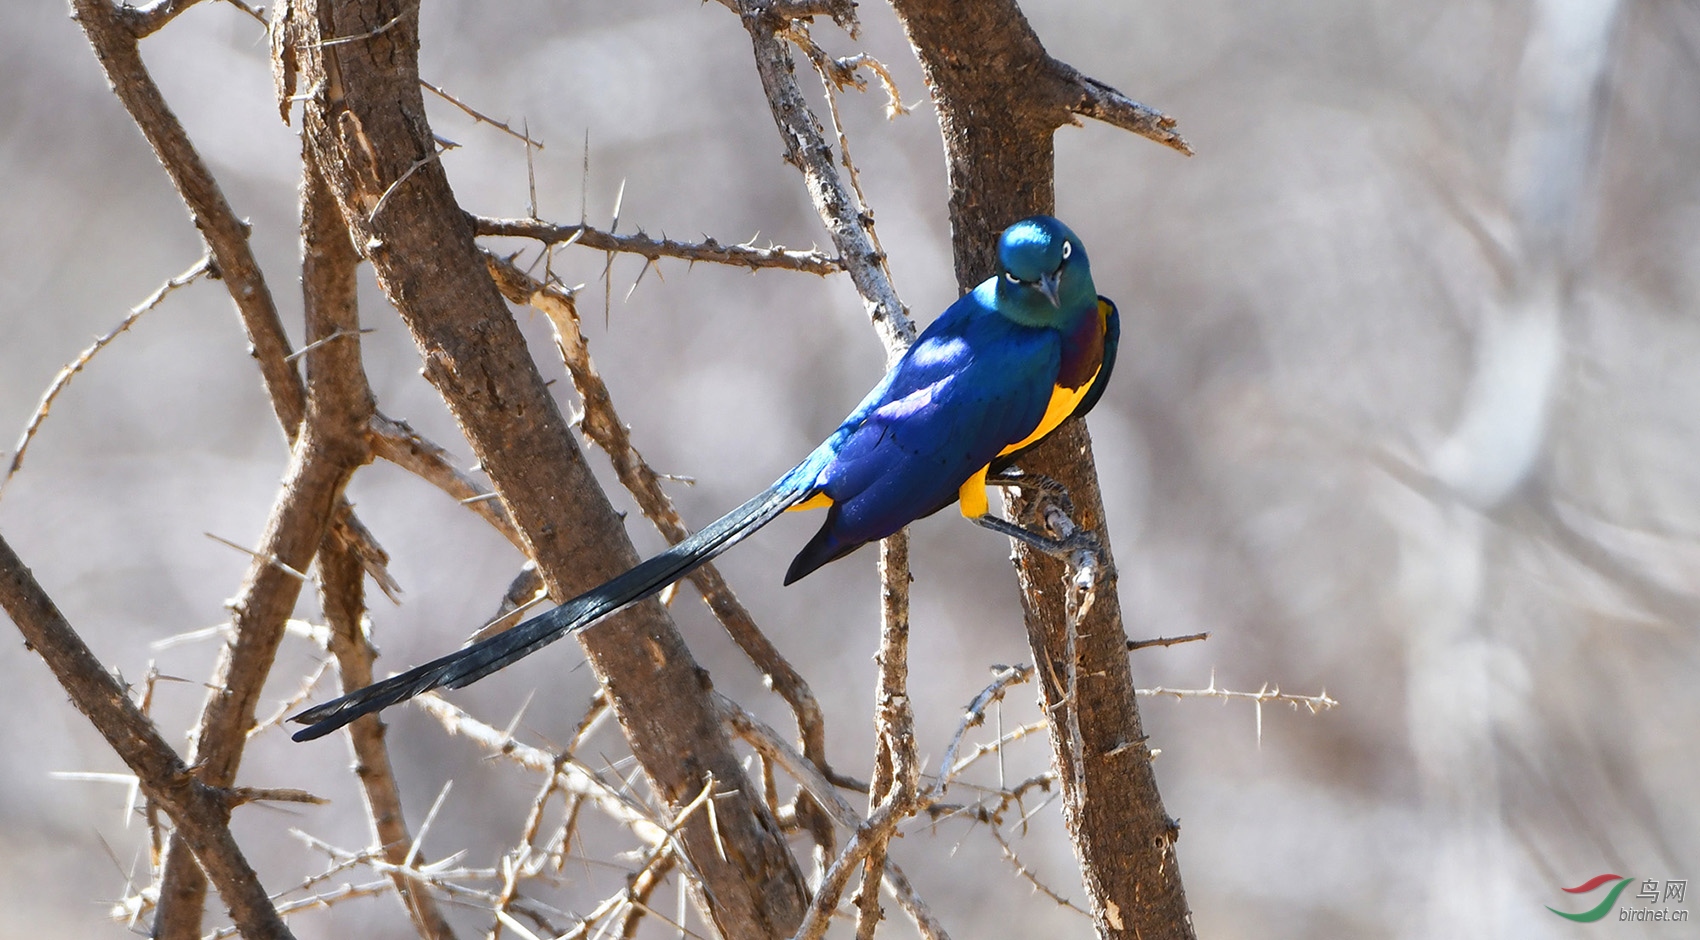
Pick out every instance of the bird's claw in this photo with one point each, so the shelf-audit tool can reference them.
(1080, 540)
(1072, 548)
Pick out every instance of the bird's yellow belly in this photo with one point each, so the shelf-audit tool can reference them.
(1063, 403)
(972, 496)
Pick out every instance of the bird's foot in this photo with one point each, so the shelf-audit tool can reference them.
(1032, 483)
(1069, 548)
(1079, 549)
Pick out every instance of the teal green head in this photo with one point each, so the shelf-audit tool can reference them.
(1043, 275)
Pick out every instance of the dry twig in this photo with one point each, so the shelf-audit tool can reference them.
(397, 442)
(61, 380)
(806, 148)
(773, 748)
(654, 249)
(199, 811)
(575, 777)
(1315, 703)
(896, 771)
(602, 425)
(1166, 641)
(480, 116)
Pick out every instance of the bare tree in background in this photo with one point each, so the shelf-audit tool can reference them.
(373, 190)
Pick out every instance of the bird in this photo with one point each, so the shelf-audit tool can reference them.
(995, 374)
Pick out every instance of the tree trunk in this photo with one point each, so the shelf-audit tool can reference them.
(999, 98)
(365, 123)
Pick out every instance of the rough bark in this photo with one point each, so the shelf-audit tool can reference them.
(330, 446)
(1000, 97)
(330, 299)
(365, 123)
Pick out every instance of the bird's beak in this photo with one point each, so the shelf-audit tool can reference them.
(1048, 287)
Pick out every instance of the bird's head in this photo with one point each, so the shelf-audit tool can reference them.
(1043, 275)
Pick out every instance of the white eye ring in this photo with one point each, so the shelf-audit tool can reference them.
(1011, 278)
(1068, 249)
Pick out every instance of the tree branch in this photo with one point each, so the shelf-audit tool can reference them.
(200, 812)
(330, 290)
(602, 425)
(63, 379)
(225, 233)
(570, 776)
(851, 225)
(771, 745)
(1094, 99)
(896, 771)
(997, 123)
(397, 442)
(144, 21)
(654, 249)
(111, 33)
(369, 130)
(327, 451)
(846, 219)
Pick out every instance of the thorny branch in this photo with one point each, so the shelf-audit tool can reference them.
(480, 116)
(1166, 641)
(654, 249)
(573, 777)
(445, 878)
(837, 75)
(998, 113)
(1101, 102)
(523, 858)
(895, 766)
(773, 748)
(316, 475)
(225, 233)
(1002, 680)
(397, 442)
(848, 221)
(329, 447)
(1320, 702)
(298, 519)
(343, 604)
(365, 118)
(199, 811)
(869, 833)
(329, 289)
(76, 365)
(1028, 875)
(883, 818)
(602, 425)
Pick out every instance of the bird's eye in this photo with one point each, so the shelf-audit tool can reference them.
(1008, 276)
(1068, 249)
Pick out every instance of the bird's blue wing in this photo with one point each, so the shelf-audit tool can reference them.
(969, 387)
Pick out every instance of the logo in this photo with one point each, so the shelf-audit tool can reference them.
(1599, 912)
(1673, 891)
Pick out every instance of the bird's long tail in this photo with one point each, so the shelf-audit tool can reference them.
(468, 665)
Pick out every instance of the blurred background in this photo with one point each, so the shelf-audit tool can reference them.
(1405, 411)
